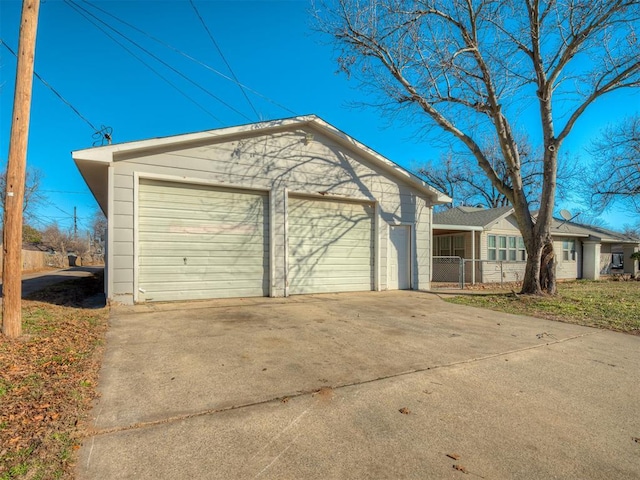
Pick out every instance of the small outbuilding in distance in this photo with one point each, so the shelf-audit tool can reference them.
(275, 208)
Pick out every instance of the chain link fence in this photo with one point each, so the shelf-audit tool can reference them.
(494, 271)
(447, 272)
(455, 272)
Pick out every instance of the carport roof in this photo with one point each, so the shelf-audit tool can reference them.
(477, 218)
(601, 234)
(93, 162)
(470, 217)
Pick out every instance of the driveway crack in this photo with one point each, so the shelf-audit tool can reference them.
(177, 418)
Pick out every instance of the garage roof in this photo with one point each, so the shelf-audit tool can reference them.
(93, 162)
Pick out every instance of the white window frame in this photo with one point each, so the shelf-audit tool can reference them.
(569, 250)
(505, 248)
(452, 248)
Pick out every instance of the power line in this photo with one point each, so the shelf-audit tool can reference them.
(213, 40)
(130, 52)
(189, 57)
(65, 191)
(71, 2)
(48, 85)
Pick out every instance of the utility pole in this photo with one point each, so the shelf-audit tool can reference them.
(75, 223)
(16, 167)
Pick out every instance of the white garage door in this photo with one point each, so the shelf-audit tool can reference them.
(198, 242)
(330, 246)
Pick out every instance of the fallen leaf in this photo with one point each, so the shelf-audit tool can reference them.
(636, 439)
(460, 468)
(405, 411)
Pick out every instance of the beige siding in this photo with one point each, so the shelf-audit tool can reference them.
(568, 269)
(282, 164)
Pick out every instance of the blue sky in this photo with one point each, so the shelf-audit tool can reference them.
(271, 48)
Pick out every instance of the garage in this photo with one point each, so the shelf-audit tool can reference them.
(197, 242)
(275, 208)
(330, 246)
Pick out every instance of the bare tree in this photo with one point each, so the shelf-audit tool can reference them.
(617, 166)
(457, 175)
(58, 241)
(631, 231)
(475, 68)
(462, 181)
(32, 192)
(98, 236)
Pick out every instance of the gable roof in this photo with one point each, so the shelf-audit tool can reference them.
(93, 162)
(470, 216)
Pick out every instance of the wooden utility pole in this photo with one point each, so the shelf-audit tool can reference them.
(16, 167)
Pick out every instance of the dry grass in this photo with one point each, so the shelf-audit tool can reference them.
(602, 304)
(48, 379)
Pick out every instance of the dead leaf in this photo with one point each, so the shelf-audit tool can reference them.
(636, 439)
(454, 456)
(460, 468)
(404, 411)
(284, 400)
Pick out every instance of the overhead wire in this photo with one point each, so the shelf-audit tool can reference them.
(80, 11)
(215, 44)
(189, 57)
(65, 191)
(58, 94)
(151, 54)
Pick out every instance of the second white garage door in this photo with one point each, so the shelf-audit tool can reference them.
(198, 242)
(330, 246)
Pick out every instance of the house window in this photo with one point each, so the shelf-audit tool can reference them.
(504, 247)
(568, 250)
(512, 249)
(458, 246)
(448, 245)
(492, 247)
(522, 252)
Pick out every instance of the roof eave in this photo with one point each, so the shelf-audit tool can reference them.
(462, 228)
(490, 224)
(107, 153)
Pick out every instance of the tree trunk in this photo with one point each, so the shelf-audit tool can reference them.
(531, 282)
(548, 269)
(540, 271)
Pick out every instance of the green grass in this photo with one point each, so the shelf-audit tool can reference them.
(602, 304)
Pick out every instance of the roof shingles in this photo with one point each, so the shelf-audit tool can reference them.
(470, 216)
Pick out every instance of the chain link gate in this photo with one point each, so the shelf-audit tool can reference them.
(447, 272)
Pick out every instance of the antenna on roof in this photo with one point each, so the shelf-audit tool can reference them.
(566, 215)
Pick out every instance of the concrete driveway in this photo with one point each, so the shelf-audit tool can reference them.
(32, 282)
(370, 385)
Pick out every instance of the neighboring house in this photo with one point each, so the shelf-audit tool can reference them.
(268, 209)
(490, 240)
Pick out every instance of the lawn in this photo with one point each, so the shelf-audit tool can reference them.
(48, 379)
(603, 304)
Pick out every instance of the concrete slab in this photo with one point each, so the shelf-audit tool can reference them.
(312, 387)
